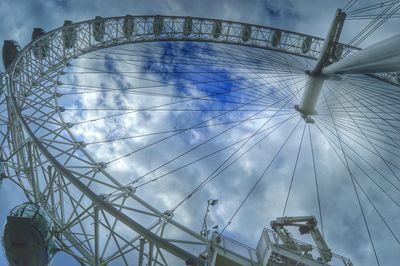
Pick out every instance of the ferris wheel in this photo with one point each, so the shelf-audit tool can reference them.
(124, 131)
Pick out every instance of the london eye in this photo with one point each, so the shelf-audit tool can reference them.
(162, 140)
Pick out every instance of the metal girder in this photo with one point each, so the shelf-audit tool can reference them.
(381, 57)
(174, 28)
(202, 30)
(74, 40)
(330, 48)
(102, 204)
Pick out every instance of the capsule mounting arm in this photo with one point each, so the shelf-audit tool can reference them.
(307, 225)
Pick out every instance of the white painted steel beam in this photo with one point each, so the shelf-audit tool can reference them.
(381, 57)
(27, 70)
(331, 41)
(96, 236)
(101, 203)
(315, 82)
(310, 96)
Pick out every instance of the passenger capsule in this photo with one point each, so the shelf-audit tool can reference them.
(276, 38)
(69, 35)
(27, 238)
(216, 29)
(40, 48)
(98, 28)
(338, 52)
(245, 32)
(10, 52)
(187, 26)
(128, 26)
(158, 25)
(305, 46)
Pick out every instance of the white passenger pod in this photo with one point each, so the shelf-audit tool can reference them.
(245, 32)
(40, 48)
(158, 25)
(187, 26)
(10, 51)
(276, 38)
(216, 29)
(98, 29)
(69, 35)
(27, 236)
(305, 46)
(128, 26)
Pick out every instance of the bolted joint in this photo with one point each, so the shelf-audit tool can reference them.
(60, 109)
(57, 95)
(104, 196)
(128, 190)
(168, 214)
(79, 144)
(100, 166)
(65, 126)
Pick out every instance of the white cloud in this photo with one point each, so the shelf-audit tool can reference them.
(342, 222)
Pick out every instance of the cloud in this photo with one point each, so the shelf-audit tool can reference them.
(343, 223)
(268, 198)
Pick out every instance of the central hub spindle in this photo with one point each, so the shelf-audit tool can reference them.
(315, 79)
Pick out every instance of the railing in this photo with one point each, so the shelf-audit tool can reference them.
(238, 248)
(270, 241)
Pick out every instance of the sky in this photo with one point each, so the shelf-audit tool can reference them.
(17, 18)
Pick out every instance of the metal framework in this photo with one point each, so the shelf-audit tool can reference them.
(49, 166)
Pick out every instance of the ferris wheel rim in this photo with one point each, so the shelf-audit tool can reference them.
(155, 38)
(32, 136)
(11, 92)
(103, 45)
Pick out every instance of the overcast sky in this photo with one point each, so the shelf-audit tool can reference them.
(18, 18)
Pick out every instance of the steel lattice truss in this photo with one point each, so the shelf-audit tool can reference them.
(53, 167)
